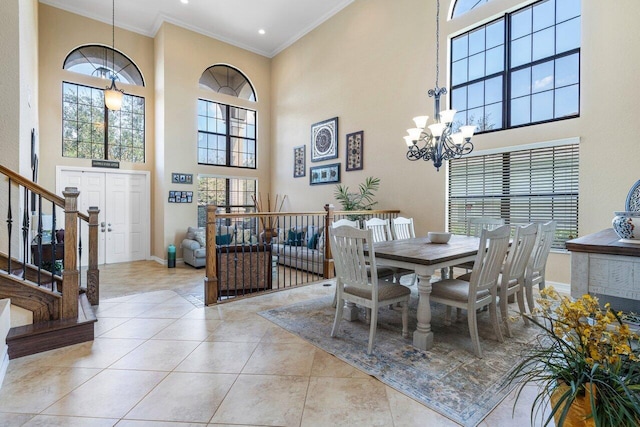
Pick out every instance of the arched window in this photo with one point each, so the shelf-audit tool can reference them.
(229, 81)
(463, 6)
(89, 129)
(102, 61)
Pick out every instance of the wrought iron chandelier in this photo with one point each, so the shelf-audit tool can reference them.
(439, 143)
(113, 95)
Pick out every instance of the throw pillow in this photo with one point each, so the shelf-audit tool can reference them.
(313, 241)
(224, 239)
(294, 238)
(200, 236)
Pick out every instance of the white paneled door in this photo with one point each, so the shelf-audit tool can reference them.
(123, 200)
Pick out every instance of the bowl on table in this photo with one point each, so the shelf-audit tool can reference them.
(438, 236)
(626, 224)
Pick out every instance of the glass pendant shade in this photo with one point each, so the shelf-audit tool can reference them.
(446, 116)
(437, 129)
(113, 97)
(414, 133)
(467, 131)
(409, 141)
(421, 121)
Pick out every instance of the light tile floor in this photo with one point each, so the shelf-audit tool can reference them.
(161, 359)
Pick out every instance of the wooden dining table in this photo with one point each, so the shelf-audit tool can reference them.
(425, 258)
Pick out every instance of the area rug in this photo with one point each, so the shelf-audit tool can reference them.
(448, 378)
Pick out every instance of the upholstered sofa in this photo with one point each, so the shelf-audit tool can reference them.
(193, 245)
(301, 248)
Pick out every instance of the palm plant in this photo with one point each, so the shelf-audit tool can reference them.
(360, 201)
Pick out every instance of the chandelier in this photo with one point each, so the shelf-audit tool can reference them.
(113, 95)
(439, 143)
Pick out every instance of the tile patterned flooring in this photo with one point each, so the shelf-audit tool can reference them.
(161, 359)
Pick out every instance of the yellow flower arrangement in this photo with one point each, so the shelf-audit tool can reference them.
(583, 348)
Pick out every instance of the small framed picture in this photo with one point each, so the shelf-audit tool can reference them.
(172, 194)
(325, 174)
(355, 141)
(324, 140)
(189, 199)
(183, 200)
(189, 193)
(299, 161)
(189, 179)
(172, 199)
(183, 178)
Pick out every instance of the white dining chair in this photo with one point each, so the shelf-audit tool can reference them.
(535, 273)
(475, 225)
(402, 228)
(482, 288)
(359, 284)
(511, 280)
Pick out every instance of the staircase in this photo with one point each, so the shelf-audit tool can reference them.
(61, 306)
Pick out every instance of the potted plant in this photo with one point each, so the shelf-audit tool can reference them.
(358, 201)
(586, 364)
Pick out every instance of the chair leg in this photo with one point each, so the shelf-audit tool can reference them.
(520, 299)
(529, 291)
(405, 319)
(458, 314)
(338, 317)
(335, 299)
(493, 312)
(372, 328)
(504, 307)
(447, 316)
(367, 315)
(473, 331)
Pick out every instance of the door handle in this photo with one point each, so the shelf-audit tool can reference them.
(109, 229)
(102, 229)
(102, 224)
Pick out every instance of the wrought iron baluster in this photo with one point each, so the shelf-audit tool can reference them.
(9, 227)
(39, 240)
(25, 233)
(54, 247)
(79, 252)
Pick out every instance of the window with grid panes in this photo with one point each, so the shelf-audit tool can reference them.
(230, 195)
(85, 117)
(520, 69)
(226, 135)
(520, 186)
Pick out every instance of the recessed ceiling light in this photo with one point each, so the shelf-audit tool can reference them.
(261, 31)
(184, 1)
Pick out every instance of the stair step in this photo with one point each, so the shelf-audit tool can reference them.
(44, 336)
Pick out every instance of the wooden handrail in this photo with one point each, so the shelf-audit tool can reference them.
(307, 213)
(37, 189)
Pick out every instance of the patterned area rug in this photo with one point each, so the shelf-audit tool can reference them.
(448, 378)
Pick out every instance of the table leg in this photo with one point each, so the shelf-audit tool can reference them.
(423, 337)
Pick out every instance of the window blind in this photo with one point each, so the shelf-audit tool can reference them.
(525, 186)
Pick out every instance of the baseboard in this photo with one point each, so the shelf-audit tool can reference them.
(4, 366)
(161, 261)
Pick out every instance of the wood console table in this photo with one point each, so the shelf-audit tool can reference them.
(603, 266)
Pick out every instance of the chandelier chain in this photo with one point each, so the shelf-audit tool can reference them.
(113, 36)
(437, 41)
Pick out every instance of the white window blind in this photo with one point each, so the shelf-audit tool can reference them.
(524, 186)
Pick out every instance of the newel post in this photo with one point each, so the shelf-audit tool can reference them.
(211, 278)
(93, 274)
(70, 275)
(328, 269)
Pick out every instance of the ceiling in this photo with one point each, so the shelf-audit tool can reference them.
(233, 21)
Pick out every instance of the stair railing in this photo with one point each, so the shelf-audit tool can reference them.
(47, 250)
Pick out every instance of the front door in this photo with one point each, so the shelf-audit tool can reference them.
(124, 220)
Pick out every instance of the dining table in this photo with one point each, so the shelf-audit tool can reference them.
(425, 258)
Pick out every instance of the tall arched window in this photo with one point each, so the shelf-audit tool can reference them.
(89, 129)
(229, 81)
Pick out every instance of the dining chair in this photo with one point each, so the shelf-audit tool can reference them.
(403, 228)
(474, 226)
(511, 280)
(357, 283)
(381, 229)
(537, 265)
(347, 222)
(482, 287)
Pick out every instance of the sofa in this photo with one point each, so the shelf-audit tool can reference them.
(194, 244)
(301, 248)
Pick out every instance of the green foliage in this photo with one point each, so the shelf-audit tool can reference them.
(360, 201)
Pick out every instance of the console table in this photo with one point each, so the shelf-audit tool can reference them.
(603, 266)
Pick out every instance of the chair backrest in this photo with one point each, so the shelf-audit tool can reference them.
(490, 259)
(347, 222)
(403, 228)
(476, 224)
(348, 248)
(522, 245)
(546, 235)
(380, 228)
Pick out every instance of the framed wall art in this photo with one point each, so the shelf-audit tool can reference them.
(325, 174)
(324, 140)
(354, 151)
(181, 178)
(299, 161)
